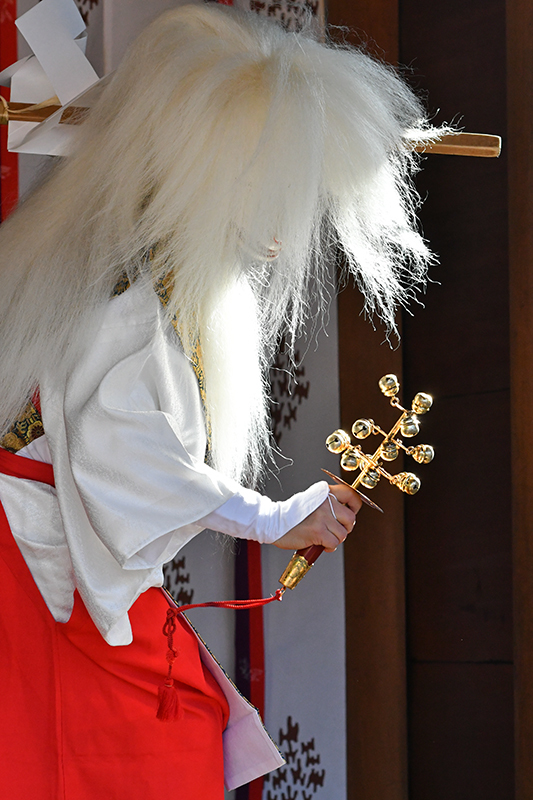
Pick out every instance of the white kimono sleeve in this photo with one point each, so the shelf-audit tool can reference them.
(127, 439)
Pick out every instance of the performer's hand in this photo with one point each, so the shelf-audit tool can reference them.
(321, 527)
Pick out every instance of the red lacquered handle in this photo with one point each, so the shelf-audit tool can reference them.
(311, 553)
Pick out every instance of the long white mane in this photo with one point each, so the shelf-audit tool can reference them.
(220, 140)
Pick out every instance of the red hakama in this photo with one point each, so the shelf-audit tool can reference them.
(78, 716)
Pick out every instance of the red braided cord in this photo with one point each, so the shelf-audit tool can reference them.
(169, 629)
(236, 604)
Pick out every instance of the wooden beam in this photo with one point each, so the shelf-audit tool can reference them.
(457, 144)
(520, 154)
(374, 23)
(374, 554)
(374, 582)
(481, 145)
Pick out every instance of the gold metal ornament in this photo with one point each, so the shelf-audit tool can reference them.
(408, 482)
(422, 402)
(362, 428)
(389, 385)
(337, 441)
(350, 459)
(297, 567)
(424, 453)
(390, 451)
(370, 478)
(371, 466)
(410, 426)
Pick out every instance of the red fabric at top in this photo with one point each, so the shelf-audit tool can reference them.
(9, 177)
(8, 33)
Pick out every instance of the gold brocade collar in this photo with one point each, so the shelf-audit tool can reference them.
(25, 429)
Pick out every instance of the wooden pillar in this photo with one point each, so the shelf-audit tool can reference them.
(375, 586)
(374, 554)
(458, 528)
(520, 153)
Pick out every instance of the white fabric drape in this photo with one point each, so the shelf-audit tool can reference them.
(126, 436)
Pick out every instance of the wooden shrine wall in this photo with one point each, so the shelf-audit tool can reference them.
(458, 530)
(430, 662)
(374, 554)
(520, 183)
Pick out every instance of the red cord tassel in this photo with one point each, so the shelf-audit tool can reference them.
(169, 707)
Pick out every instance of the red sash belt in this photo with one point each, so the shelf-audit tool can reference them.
(20, 467)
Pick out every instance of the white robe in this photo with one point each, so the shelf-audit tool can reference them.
(126, 436)
(127, 440)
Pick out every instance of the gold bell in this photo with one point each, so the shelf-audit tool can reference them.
(338, 441)
(350, 459)
(389, 385)
(422, 403)
(389, 451)
(410, 425)
(407, 482)
(362, 428)
(370, 479)
(423, 453)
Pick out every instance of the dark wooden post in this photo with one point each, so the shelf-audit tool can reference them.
(520, 153)
(374, 554)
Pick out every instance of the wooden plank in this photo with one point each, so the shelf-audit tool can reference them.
(520, 154)
(375, 592)
(458, 555)
(458, 343)
(480, 145)
(458, 530)
(464, 733)
(374, 558)
(373, 23)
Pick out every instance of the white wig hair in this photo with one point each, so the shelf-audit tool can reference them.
(220, 140)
